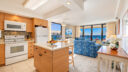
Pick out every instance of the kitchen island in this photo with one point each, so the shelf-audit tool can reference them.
(52, 58)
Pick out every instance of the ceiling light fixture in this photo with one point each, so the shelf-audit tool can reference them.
(68, 3)
(34, 4)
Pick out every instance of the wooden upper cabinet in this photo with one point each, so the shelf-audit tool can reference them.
(1, 21)
(40, 22)
(16, 18)
(29, 26)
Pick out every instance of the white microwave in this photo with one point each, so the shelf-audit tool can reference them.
(14, 26)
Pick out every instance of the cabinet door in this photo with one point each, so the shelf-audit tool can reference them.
(36, 57)
(61, 60)
(37, 21)
(42, 60)
(44, 23)
(45, 61)
(1, 21)
(2, 54)
(29, 25)
(30, 50)
(40, 22)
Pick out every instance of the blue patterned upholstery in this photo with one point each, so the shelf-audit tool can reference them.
(86, 47)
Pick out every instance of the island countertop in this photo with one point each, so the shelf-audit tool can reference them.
(56, 46)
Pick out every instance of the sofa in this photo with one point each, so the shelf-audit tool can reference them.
(86, 47)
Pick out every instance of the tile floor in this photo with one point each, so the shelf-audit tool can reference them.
(82, 64)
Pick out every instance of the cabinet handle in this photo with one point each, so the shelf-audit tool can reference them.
(45, 52)
(40, 54)
(35, 48)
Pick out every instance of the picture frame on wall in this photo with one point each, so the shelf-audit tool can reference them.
(68, 33)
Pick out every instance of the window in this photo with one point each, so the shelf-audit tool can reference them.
(94, 32)
(56, 31)
(104, 32)
(87, 32)
(81, 31)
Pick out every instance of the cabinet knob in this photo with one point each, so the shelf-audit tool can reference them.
(40, 54)
(35, 48)
(45, 52)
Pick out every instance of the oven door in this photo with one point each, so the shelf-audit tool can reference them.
(17, 49)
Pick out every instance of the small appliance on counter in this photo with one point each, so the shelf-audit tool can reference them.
(28, 36)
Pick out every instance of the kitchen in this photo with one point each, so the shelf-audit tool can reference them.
(18, 37)
(21, 36)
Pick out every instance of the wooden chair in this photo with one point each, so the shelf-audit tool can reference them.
(71, 54)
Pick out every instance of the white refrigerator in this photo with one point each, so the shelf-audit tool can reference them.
(41, 34)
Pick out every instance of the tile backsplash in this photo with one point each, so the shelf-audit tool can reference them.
(28, 35)
(14, 33)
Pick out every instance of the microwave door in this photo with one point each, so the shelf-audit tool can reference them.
(13, 27)
(16, 26)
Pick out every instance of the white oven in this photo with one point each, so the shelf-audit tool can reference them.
(14, 26)
(16, 49)
(15, 52)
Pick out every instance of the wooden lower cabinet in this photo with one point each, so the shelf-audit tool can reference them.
(2, 54)
(51, 61)
(30, 49)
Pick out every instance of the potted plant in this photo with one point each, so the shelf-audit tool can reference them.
(114, 43)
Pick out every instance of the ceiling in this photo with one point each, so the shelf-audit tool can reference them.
(80, 12)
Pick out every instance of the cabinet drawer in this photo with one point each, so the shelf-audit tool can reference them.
(2, 61)
(46, 52)
(42, 51)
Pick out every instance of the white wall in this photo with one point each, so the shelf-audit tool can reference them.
(110, 29)
(121, 11)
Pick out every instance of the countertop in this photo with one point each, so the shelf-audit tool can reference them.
(56, 46)
(30, 40)
(107, 51)
(1, 41)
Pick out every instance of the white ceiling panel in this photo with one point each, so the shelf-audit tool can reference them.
(95, 11)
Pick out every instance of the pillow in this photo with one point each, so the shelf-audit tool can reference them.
(98, 42)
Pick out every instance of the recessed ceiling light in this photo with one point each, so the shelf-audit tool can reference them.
(68, 3)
